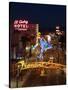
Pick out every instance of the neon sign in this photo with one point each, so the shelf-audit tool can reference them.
(22, 25)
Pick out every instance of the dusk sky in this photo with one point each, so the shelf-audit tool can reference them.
(47, 16)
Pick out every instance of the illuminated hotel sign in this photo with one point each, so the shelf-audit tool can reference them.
(22, 25)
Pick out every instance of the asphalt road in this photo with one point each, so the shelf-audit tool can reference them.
(33, 78)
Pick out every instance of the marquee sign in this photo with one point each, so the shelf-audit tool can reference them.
(22, 25)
